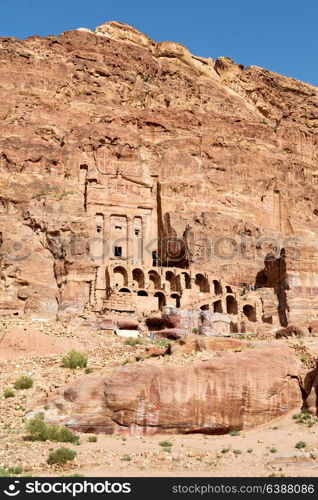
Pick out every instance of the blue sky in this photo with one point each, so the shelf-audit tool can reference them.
(280, 35)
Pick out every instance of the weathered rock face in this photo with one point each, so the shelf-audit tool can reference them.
(230, 391)
(108, 133)
(310, 391)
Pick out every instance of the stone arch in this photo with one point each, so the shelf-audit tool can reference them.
(217, 287)
(174, 281)
(142, 293)
(250, 312)
(202, 283)
(125, 290)
(138, 277)
(228, 289)
(217, 306)
(154, 279)
(231, 305)
(177, 299)
(205, 307)
(120, 276)
(161, 299)
(186, 280)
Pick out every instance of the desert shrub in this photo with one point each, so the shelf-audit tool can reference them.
(40, 431)
(225, 450)
(61, 434)
(300, 445)
(92, 439)
(61, 456)
(23, 382)
(88, 370)
(15, 470)
(74, 359)
(237, 452)
(234, 433)
(165, 444)
(42, 192)
(8, 393)
(4, 472)
(132, 341)
(74, 475)
(304, 418)
(273, 449)
(161, 342)
(10, 471)
(37, 428)
(126, 458)
(249, 450)
(297, 416)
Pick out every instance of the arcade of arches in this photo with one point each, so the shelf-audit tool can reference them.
(130, 289)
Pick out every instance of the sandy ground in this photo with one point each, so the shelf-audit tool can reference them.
(264, 451)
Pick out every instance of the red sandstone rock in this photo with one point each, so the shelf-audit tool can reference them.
(292, 331)
(188, 149)
(128, 324)
(154, 352)
(170, 333)
(101, 323)
(199, 343)
(18, 342)
(231, 391)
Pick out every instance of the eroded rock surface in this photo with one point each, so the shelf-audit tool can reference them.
(230, 390)
(109, 131)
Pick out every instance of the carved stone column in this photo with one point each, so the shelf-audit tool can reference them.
(106, 236)
(130, 245)
(144, 257)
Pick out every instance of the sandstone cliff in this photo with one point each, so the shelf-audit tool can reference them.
(221, 160)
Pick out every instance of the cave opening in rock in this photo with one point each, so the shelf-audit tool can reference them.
(217, 287)
(120, 276)
(154, 280)
(176, 298)
(231, 305)
(202, 283)
(139, 278)
(217, 306)
(161, 299)
(249, 312)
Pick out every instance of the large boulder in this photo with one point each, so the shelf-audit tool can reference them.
(232, 390)
(309, 387)
(176, 318)
(199, 343)
(291, 331)
(170, 333)
(215, 323)
(128, 324)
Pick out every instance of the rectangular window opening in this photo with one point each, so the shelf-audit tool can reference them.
(118, 251)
